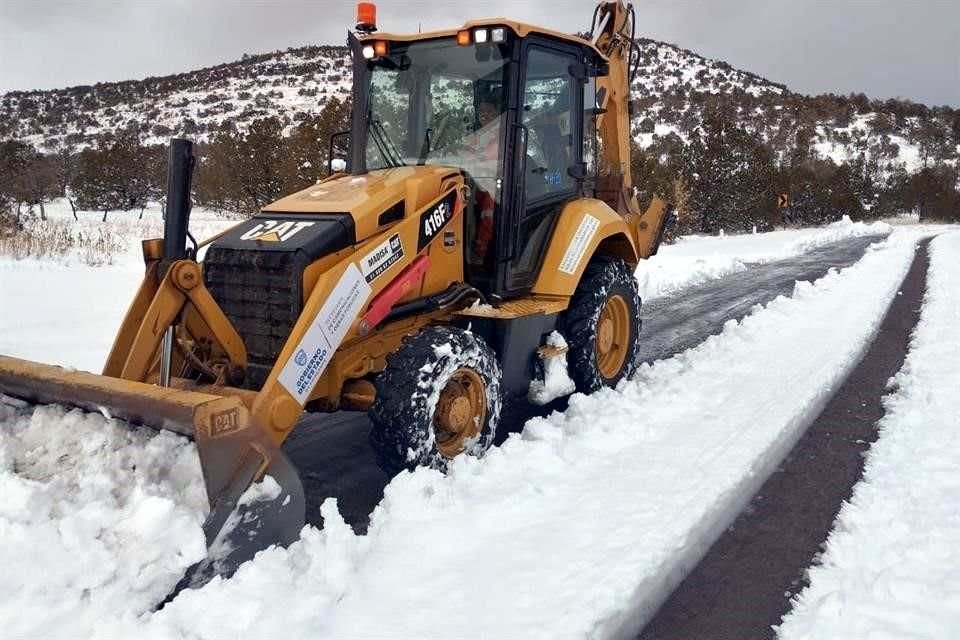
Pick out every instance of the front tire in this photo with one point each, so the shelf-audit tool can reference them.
(438, 397)
(602, 325)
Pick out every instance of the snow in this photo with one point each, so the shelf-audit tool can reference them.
(96, 517)
(577, 527)
(890, 565)
(846, 144)
(556, 381)
(280, 85)
(63, 311)
(582, 524)
(697, 259)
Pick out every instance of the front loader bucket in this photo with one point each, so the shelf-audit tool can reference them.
(234, 453)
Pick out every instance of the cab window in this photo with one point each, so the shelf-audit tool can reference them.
(547, 101)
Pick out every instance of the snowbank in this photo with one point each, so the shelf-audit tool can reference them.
(891, 568)
(97, 519)
(581, 525)
(696, 259)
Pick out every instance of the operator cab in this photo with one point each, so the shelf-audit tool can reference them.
(502, 102)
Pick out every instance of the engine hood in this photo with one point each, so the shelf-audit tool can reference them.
(366, 196)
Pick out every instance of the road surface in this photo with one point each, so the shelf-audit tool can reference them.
(744, 583)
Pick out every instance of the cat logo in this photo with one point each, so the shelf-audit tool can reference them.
(275, 230)
(225, 422)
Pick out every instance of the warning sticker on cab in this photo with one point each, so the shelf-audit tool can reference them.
(325, 334)
(579, 244)
(383, 256)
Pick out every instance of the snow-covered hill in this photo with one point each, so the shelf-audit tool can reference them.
(674, 90)
(675, 87)
(291, 85)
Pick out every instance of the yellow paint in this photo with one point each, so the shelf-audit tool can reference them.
(612, 232)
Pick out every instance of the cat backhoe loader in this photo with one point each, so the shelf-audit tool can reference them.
(486, 203)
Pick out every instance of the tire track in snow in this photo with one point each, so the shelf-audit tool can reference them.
(743, 585)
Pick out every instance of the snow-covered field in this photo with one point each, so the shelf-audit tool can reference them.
(891, 568)
(577, 527)
(64, 311)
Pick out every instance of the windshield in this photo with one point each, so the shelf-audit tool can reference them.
(434, 102)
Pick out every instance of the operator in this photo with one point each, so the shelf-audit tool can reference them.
(485, 142)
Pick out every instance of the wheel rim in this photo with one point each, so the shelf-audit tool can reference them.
(461, 412)
(613, 336)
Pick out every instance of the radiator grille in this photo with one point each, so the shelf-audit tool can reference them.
(260, 293)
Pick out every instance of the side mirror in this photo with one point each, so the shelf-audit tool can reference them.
(337, 164)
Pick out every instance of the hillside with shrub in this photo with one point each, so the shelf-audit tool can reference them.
(720, 143)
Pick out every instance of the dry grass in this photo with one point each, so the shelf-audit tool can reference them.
(59, 239)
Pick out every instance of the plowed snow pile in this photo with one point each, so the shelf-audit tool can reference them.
(695, 259)
(891, 568)
(94, 517)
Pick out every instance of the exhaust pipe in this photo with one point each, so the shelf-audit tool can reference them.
(180, 163)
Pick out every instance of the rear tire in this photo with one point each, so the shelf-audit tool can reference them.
(438, 397)
(602, 325)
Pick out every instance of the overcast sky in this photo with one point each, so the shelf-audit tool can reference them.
(884, 48)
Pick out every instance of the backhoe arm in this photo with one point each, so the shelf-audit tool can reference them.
(613, 35)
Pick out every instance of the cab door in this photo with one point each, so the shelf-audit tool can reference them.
(548, 156)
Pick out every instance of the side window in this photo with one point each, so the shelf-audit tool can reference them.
(547, 102)
(392, 104)
(590, 126)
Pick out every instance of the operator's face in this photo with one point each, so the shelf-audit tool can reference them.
(487, 112)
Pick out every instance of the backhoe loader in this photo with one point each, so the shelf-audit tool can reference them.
(487, 202)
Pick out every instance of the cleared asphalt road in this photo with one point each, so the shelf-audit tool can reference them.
(331, 450)
(743, 586)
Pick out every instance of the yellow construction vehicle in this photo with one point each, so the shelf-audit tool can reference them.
(487, 202)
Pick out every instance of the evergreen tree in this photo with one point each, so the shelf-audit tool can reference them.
(37, 180)
(731, 175)
(13, 160)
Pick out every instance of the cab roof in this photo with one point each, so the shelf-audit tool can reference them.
(521, 29)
